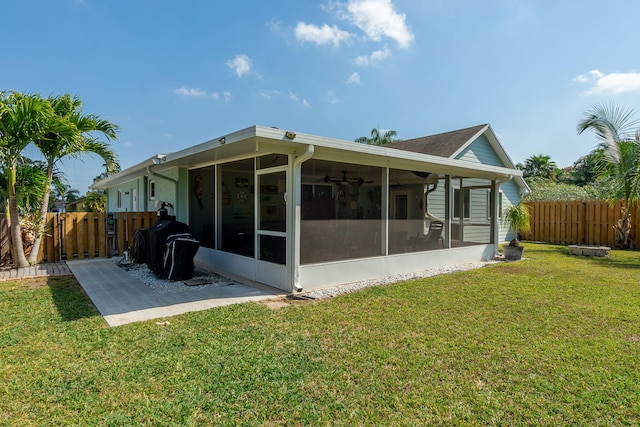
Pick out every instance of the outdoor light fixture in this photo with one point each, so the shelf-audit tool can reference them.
(159, 158)
(222, 140)
(290, 135)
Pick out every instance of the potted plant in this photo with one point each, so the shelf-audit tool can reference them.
(517, 218)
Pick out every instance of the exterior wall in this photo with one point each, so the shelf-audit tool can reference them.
(510, 196)
(181, 205)
(165, 189)
(315, 276)
(127, 192)
(480, 151)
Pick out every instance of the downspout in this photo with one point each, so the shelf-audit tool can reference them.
(175, 183)
(295, 246)
(495, 225)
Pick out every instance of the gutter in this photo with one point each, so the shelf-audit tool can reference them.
(295, 247)
(509, 178)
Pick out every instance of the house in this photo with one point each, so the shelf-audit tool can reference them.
(300, 212)
(76, 205)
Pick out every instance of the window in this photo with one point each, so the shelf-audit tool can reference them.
(456, 203)
(119, 199)
(152, 190)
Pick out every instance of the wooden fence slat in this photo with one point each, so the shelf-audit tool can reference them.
(82, 232)
(100, 223)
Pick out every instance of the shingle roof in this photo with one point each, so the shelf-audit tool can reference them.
(442, 144)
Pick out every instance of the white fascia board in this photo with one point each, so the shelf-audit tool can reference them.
(128, 174)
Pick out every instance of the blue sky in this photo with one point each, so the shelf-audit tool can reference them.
(174, 73)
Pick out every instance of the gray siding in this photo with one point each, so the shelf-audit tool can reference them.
(510, 196)
(480, 151)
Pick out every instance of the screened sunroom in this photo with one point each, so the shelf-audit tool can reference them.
(299, 212)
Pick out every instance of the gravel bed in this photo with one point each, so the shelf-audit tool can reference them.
(209, 279)
(356, 286)
(203, 278)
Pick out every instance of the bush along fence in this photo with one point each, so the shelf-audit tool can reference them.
(80, 235)
(587, 222)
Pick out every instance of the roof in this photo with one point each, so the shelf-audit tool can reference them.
(443, 144)
(255, 139)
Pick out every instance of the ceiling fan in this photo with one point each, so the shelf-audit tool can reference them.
(344, 180)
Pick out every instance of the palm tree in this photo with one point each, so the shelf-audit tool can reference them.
(377, 138)
(30, 181)
(23, 118)
(619, 142)
(72, 134)
(538, 166)
(619, 146)
(71, 195)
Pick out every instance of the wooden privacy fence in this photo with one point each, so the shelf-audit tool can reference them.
(586, 222)
(79, 235)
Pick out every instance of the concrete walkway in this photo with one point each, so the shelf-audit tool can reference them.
(120, 298)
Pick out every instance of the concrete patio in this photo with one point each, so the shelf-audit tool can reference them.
(121, 298)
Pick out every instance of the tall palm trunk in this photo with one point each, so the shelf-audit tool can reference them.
(44, 207)
(19, 260)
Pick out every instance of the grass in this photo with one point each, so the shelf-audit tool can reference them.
(550, 340)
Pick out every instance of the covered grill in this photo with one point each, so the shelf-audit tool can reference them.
(170, 250)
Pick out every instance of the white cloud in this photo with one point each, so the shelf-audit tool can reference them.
(274, 26)
(241, 64)
(375, 57)
(377, 19)
(227, 96)
(293, 97)
(333, 99)
(190, 91)
(321, 35)
(354, 79)
(613, 83)
(269, 94)
(195, 92)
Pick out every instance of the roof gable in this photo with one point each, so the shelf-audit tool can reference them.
(476, 144)
(443, 144)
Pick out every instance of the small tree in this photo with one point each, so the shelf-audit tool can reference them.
(378, 138)
(619, 142)
(95, 202)
(518, 219)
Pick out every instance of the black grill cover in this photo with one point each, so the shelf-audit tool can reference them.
(140, 246)
(157, 237)
(179, 251)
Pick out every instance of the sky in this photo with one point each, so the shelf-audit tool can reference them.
(172, 74)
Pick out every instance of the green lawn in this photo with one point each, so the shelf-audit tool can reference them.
(550, 340)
